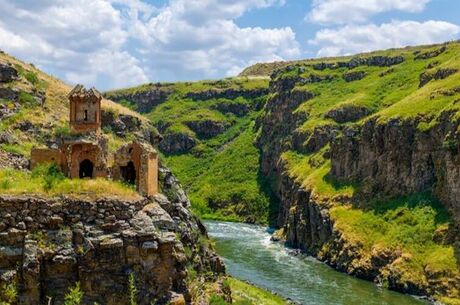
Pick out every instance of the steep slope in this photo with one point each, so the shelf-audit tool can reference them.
(97, 238)
(209, 141)
(365, 152)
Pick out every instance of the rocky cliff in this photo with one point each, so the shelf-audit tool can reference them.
(365, 175)
(49, 244)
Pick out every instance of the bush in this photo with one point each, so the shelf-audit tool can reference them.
(27, 99)
(32, 77)
(217, 300)
(74, 296)
(132, 290)
(51, 174)
(62, 131)
(8, 294)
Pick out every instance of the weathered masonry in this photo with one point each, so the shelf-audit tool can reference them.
(84, 154)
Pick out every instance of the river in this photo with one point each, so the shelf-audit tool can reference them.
(249, 255)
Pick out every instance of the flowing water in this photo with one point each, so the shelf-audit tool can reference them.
(250, 255)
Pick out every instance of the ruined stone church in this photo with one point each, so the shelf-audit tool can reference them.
(84, 154)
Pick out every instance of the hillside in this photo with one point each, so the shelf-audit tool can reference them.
(208, 139)
(360, 151)
(90, 240)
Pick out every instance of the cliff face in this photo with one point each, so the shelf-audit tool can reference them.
(47, 245)
(346, 154)
(395, 158)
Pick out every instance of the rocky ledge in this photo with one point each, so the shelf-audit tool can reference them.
(47, 245)
(230, 94)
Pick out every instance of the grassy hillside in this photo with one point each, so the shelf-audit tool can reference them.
(36, 114)
(221, 171)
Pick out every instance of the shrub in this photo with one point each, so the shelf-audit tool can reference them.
(27, 99)
(132, 289)
(217, 300)
(74, 296)
(62, 131)
(51, 174)
(8, 293)
(32, 77)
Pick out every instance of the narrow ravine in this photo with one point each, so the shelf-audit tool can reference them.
(250, 255)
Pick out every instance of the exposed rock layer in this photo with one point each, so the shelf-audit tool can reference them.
(391, 158)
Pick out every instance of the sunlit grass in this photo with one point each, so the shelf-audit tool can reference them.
(15, 182)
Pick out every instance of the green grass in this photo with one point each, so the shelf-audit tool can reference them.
(45, 181)
(312, 172)
(224, 182)
(407, 224)
(247, 294)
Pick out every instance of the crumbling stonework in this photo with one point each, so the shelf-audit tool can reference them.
(85, 109)
(84, 153)
(137, 163)
(47, 155)
(47, 245)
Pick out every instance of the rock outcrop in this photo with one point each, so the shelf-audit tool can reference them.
(348, 113)
(430, 54)
(7, 73)
(207, 128)
(145, 100)
(426, 77)
(396, 158)
(378, 61)
(354, 76)
(177, 143)
(47, 245)
(230, 94)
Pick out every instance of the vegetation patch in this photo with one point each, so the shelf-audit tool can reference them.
(408, 225)
(46, 180)
(247, 294)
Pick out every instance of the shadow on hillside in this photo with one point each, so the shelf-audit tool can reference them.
(267, 185)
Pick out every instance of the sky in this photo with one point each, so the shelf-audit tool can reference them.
(121, 43)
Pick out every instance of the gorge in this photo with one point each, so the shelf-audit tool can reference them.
(354, 160)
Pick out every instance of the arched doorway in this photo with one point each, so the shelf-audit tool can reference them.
(128, 173)
(86, 169)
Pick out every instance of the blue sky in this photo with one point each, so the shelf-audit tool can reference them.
(120, 43)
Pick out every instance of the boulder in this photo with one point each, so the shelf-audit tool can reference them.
(7, 138)
(8, 94)
(7, 73)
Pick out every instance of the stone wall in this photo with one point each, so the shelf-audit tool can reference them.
(46, 155)
(47, 245)
(144, 163)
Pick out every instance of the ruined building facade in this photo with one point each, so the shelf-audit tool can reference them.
(84, 154)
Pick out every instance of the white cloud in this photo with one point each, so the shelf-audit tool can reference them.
(352, 11)
(352, 39)
(114, 43)
(199, 39)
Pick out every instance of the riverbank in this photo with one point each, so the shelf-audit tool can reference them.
(245, 293)
(250, 255)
